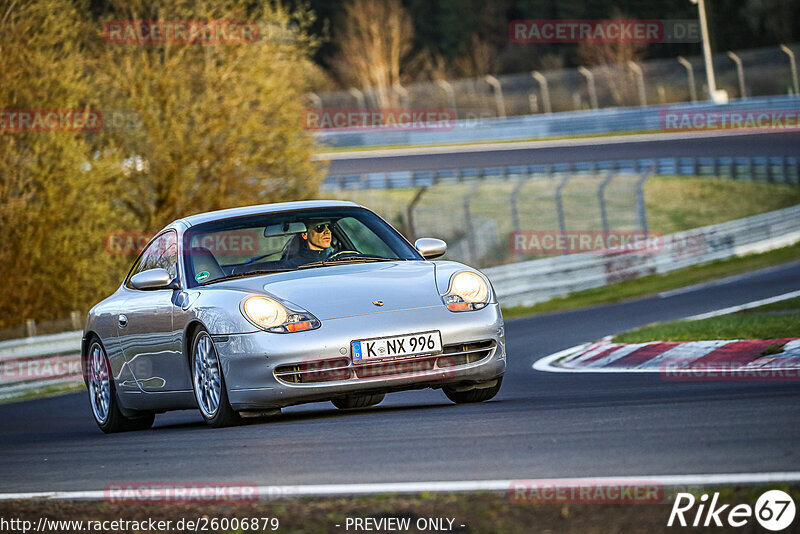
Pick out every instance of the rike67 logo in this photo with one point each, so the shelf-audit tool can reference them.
(774, 511)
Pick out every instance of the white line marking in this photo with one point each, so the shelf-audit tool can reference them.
(747, 306)
(322, 490)
(520, 145)
(726, 280)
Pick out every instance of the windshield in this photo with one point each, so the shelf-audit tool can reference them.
(285, 241)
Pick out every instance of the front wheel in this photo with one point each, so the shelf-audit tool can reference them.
(209, 383)
(103, 395)
(478, 394)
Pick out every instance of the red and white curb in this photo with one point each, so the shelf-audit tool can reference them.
(735, 357)
(663, 357)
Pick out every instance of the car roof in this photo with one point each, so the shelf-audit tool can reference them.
(230, 213)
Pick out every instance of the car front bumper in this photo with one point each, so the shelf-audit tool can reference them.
(249, 361)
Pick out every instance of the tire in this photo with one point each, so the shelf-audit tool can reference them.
(473, 395)
(103, 399)
(358, 401)
(208, 383)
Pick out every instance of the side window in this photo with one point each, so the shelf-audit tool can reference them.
(365, 239)
(168, 257)
(163, 253)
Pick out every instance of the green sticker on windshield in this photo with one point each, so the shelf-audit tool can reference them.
(202, 275)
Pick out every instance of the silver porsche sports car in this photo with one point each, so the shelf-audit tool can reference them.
(243, 311)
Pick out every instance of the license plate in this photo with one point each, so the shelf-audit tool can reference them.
(384, 348)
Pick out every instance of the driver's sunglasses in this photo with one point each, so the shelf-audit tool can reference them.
(319, 228)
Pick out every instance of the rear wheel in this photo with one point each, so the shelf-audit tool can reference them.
(480, 393)
(103, 395)
(209, 383)
(358, 401)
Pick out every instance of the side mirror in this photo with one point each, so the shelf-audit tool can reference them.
(153, 279)
(430, 248)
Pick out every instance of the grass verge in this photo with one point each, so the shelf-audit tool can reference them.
(773, 321)
(656, 283)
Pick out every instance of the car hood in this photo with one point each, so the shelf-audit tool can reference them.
(347, 290)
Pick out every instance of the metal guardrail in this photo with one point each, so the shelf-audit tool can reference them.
(542, 126)
(529, 282)
(38, 363)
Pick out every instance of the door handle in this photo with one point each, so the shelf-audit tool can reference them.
(123, 320)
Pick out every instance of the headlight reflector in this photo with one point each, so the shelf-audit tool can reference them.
(265, 312)
(273, 316)
(468, 291)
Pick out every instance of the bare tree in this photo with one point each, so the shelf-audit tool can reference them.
(374, 42)
(611, 60)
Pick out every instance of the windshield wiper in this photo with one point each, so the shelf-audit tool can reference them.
(245, 275)
(343, 260)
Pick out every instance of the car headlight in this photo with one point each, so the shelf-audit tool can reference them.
(272, 316)
(468, 291)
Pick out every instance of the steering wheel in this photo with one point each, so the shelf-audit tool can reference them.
(332, 256)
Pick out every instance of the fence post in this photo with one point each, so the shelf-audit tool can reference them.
(523, 179)
(314, 97)
(788, 51)
(75, 317)
(590, 84)
(539, 77)
(690, 73)
(412, 231)
(640, 79)
(402, 92)
(601, 197)
(498, 95)
(739, 73)
(641, 208)
(468, 219)
(451, 96)
(359, 96)
(30, 328)
(562, 223)
(784, 170)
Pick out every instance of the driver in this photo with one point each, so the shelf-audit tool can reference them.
(315, 244)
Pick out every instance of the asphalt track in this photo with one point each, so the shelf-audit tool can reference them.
(569, 151)
(541, 425)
